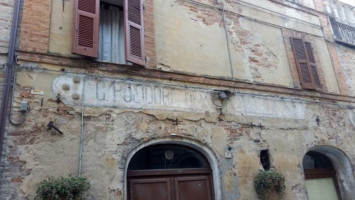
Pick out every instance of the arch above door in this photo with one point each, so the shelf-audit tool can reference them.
(341, 165)
(210, 157)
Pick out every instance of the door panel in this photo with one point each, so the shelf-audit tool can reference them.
(150, 189)
(189, 184)
(193, 188)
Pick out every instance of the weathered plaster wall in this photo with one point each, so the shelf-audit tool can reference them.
(61, 27)
(254, 30)
(287, 126)
(185, 30)
(347, 64)
(122, 112)
(6, 10)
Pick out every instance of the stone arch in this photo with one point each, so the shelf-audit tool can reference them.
(205, 151)
(343, 167)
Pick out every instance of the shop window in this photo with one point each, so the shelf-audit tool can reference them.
(111, 32)
(306, 65)
(321, 182)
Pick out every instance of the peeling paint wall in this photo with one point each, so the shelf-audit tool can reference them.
(185, 30)
(6, 10)
(348, 63)
(257, 49)
(112, 132)
(122, 110)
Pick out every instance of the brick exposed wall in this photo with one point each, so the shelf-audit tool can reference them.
(34, 30)
(149, 34)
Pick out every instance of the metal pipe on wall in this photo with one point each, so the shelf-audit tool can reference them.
(9, 73)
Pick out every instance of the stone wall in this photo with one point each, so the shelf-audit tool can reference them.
(122, 113)
(175, 98)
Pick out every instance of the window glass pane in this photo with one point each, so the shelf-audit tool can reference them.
(321, 189)
(314, 160)
(111, 34)
(167, 157)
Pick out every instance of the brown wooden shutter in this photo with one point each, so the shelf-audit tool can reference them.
(134, 31)
(312, 63)
(303, 64)
(86, 27)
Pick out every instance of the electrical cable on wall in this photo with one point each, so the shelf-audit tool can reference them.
(227, 40)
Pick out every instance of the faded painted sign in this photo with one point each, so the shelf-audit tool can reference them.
(139, 94)
(265, 107)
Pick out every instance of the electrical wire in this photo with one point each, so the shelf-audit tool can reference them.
(227, 40)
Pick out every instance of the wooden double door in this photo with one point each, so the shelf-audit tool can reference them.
(174, 184)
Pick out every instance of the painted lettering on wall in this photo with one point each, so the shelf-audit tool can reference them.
(139, 94)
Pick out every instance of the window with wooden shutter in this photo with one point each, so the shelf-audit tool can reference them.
(305, 62)
(134, 38)
(86, 27)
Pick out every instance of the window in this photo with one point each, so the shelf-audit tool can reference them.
(306, 66)
(343, 33)
(320, 177)
(102, 35)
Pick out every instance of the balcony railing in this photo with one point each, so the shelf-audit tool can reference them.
(343, 33)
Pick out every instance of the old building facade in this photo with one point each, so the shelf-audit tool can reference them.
(191, 89)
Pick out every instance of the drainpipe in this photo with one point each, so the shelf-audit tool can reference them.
(9, 73)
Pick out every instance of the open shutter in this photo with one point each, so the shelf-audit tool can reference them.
(86, 27)
(312, 63)
(303, 65)
(134, 31)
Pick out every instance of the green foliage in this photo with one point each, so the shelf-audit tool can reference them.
(267, 182)
(62, 188)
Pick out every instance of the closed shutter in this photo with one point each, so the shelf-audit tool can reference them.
(86, 27)
(134, 31)
(303, 64)
(312, 63)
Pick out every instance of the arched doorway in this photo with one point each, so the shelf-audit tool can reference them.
(321, 180)
(169, 172)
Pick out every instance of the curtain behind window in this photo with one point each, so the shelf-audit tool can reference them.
(111, 36)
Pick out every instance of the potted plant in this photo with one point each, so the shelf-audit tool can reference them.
(62, 188)
(267, 182)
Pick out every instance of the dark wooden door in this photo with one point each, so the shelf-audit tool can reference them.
(150, 188)
(179, 184)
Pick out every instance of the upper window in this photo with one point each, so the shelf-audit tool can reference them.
(112, 32)
(343, 33)
(306, 65)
